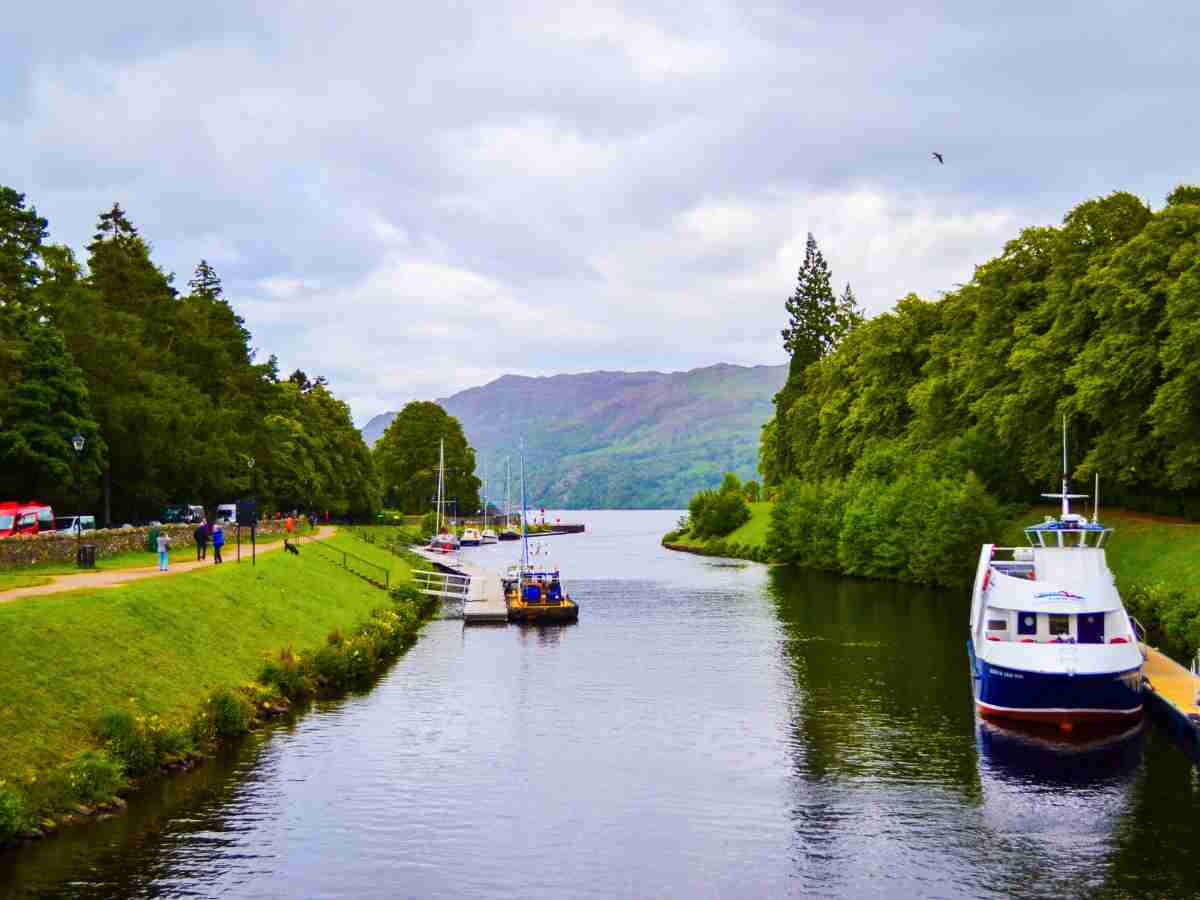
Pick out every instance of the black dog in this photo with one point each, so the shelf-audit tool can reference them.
(291, 548)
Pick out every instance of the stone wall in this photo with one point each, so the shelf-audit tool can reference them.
(27, 550)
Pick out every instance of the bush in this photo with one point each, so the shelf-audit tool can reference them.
(229, 713)
(14, 812)
(717, 513)
(92, 777)
(287, 675)
(128, 740)
(1171, 617)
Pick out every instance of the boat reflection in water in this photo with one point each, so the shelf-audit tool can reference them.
(1058, 800)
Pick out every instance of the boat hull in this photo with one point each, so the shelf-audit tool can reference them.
(1026, 696)
(509, 536)
(543, 612)
(468, 543)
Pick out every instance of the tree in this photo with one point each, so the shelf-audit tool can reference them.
(406, 458)
(205, 282)
(817, 320)
(47, 406)
(21, 234)
(752, 491)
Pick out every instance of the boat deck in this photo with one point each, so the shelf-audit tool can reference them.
(1172, 688)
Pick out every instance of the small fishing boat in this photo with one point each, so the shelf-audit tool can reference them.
(444, 542)
(471, 537)
(1050, 640)
(534, 593)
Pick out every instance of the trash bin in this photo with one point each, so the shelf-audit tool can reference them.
(152, 539)
(85, 556)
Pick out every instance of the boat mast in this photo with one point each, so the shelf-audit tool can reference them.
(1066, 504)
(524, 518)
(441, 483)
(507, 492)
(485, 493)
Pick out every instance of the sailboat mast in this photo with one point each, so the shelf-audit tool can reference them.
(485, 493)
(441, 482)
(524, 517)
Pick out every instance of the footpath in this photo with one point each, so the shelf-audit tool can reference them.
(114, 577)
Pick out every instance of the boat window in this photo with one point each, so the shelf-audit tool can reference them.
(997, 625)
(1059, 624)
(1027, 623)
(6, 522)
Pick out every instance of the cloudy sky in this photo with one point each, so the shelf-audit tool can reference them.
(416, 198)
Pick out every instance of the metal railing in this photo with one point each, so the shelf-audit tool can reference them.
(363, 568)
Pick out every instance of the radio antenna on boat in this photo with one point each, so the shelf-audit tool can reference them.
(1096, 500)
(1064, 496)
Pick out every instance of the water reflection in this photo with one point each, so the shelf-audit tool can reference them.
(705, 730)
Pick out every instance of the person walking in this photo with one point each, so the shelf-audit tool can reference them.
(201, 536)
(218, 541)
(164, 545)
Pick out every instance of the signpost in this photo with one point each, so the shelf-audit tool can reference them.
(247, 514)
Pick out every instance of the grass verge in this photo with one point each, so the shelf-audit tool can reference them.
(747, 541)
(156, 653)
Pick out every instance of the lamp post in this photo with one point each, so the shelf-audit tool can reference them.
(77, 442)
(253, 545)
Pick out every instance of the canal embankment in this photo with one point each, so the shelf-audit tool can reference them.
(1156, 561)
(103, 684)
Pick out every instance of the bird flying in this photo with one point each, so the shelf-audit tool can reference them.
(938, 157)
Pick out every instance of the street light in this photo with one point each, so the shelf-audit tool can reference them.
(77, 443)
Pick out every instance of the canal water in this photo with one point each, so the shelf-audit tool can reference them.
(708, 729)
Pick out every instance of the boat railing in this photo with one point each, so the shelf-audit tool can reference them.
(1059, 534)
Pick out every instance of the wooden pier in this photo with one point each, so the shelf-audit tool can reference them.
(1171, 691)
(481, 592)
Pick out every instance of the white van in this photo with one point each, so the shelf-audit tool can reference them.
(227, 512)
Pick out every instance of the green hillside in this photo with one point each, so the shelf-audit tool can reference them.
(617, 439)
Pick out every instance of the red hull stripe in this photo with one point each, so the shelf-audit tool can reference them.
(1057, 715)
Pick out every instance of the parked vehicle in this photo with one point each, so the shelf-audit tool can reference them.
(182, 513)
(25, 518)
(73, 524)
(227, 513)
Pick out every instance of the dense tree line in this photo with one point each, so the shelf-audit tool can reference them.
(1097, 319)
(164, 387)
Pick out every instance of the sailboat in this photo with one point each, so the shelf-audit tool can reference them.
(508, 533)
(534, 593)
(444, 540)
(488, 535)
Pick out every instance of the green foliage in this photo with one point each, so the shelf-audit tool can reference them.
(91, 777)
(229, 713)
(1096, 319)
(407, 454)
(163, 387)
(717, 513)
(15, 816)
(752, 491)
(129, 740)
(1170, 615)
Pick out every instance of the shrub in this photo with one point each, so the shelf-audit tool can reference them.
(230, 714)
(287, 675)
(92, 777)
(14, 812)
(128, 740)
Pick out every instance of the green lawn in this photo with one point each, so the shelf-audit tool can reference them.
(752, 533)
(164, 644)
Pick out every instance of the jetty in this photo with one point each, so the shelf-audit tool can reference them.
(1171, 692)
(480, 591)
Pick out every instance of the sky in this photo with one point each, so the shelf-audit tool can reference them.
(413, 199)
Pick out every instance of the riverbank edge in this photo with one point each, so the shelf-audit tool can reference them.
(378, 641)
(1166, 603)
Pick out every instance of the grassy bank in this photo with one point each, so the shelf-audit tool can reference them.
(1156, 561)
(747, 541)
(160, 648)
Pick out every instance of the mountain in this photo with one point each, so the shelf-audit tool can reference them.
(616, 439)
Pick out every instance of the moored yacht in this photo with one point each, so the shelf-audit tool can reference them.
(471, 537)
(1050, 640)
